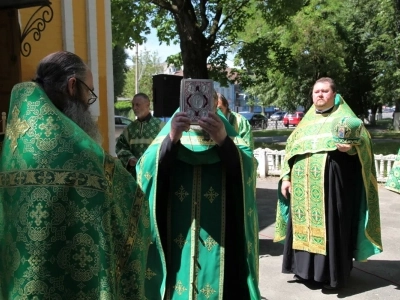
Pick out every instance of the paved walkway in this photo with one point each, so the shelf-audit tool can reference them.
(379, 278)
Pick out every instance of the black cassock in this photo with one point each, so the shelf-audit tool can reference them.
(343, 187)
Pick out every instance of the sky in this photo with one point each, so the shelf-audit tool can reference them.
(163, 51)
(153, 45)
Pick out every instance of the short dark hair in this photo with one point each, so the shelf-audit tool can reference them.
(53, 73)
(224, 101)
(329, 80)
(142, 95)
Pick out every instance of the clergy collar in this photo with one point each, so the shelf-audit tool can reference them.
(146, 118)
(328, 110)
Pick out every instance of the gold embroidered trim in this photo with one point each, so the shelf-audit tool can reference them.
(53, 177)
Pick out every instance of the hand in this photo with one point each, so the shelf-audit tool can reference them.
(179, 124)
(132, 162)
(285, 188)
(343, 147)
(214, 126)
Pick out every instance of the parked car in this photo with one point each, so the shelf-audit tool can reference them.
(278, 116)
(255, 120)
(120, 124)
(293, 118)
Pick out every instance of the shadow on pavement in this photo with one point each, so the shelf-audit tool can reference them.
(266, 205)
(269, 248)
(381, 274)
(372, 275)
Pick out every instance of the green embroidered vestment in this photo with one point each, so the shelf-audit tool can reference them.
(307, 149)
(196, 218)
(73, 222)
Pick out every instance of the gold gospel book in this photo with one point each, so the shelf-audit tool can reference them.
(197, 98)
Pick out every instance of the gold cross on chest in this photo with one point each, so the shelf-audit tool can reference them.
(16, 128)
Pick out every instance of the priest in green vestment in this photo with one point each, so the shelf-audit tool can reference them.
(328, 203)
(139, 134)
(393, 181)
(238, 122)
(203, 215)
(73, 222)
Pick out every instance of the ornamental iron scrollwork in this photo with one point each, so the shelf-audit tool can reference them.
(36, 24)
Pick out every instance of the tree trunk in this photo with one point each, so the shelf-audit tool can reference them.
(194, 46)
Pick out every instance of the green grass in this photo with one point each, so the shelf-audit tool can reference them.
(386, 147)
(266, 133)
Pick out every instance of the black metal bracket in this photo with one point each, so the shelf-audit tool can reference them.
(36, 24)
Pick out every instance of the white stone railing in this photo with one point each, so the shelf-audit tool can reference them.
(270, 163)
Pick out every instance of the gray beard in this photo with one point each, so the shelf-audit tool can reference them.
(81, 115)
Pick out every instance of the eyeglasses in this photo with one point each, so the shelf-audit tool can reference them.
(93, 98)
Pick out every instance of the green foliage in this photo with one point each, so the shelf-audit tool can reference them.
(175, 60)
(119, 70)
(124, 108)
(204, 29)
(287, 46)
(148, 65)
(122, 105)
(129, 21)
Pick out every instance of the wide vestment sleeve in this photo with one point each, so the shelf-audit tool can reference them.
(73, 222)
(156, 168)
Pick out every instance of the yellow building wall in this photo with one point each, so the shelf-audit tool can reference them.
(50, 41)
(101, 44)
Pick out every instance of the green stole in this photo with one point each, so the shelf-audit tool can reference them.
(307, 146)
(393, 181)
(242, 127)
(196, 218)
(73, 222)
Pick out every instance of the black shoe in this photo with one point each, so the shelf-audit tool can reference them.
(329, 287)
(298, 278)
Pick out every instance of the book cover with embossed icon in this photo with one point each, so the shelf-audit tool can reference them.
(197, 98)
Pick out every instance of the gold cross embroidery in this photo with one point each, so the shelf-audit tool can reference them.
(211, 195)
(210, 243)
(181, 193)
(299, 214)
(249, 181)
(315, 171)
(16, 129)
(207, 290)
(180, 241)
(49, 126)
(179, 288)
(149, 273)
(250, 212)
(147, 175)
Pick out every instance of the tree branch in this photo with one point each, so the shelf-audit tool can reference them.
(204, 20)
(165, 5)
(232, 12)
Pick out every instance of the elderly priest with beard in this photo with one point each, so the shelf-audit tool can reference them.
(73, 222)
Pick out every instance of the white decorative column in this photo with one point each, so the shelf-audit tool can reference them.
(93, 63)
(68, 26)
(110, 79)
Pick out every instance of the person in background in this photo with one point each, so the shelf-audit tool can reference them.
(204, 216)
(328, 206)
(393, 181)
(138, 135)
(239, 123)
(73, 222)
